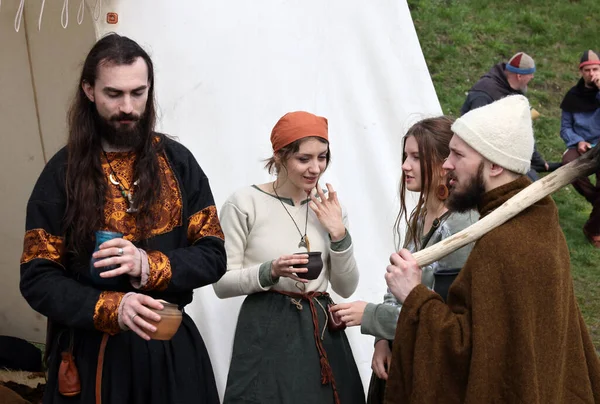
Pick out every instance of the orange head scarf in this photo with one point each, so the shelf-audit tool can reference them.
(297, 125)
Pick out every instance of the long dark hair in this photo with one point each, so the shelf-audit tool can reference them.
(86, 184)
(433, 139)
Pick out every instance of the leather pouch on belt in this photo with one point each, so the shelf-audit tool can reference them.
(69, 384)
(334, 321)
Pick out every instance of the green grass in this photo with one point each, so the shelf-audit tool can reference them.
(462, 39)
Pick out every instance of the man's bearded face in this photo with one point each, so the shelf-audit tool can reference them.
(466, 194)
(121, 130)
(120, 94)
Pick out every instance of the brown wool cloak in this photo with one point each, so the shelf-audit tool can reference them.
(512, 331)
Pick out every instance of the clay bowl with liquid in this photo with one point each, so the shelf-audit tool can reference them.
(170, 320)
(314, 266)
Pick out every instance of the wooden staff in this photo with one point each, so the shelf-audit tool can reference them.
(584, 165)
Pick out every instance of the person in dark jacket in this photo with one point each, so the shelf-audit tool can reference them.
(580, 129)
(505, 79)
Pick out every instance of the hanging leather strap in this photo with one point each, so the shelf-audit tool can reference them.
(434, 226)
(326, 371)
(99, 368)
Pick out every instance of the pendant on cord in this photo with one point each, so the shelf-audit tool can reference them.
(131, 208)
(304, 242)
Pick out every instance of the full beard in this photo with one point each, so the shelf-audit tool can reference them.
(121, 136)
(469, 198)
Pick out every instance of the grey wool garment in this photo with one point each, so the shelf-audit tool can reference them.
(380, 319)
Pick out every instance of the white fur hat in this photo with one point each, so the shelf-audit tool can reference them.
(501, 132)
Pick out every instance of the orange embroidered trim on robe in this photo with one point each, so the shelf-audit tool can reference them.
(41, 244)
(106, 312)
(167, 212)
(204, 224)
(160, 271)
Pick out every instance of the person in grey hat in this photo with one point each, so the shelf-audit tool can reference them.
(503, 79)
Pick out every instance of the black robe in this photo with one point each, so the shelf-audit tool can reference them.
(185, 251)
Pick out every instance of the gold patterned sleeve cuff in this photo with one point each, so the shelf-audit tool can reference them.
(160, 271)
(204, 224)
(39, 243)
(106, 312)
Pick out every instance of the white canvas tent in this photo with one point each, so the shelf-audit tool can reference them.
(225, 72)
(38, 75)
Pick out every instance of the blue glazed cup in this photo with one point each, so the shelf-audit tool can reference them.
(101, 237)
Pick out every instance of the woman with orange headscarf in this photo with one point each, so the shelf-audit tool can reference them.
(286, 240)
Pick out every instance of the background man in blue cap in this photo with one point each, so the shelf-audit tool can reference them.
(504, 79)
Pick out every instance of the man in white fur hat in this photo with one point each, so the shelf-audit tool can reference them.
(511, 330)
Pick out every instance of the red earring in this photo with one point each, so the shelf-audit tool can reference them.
(442, 192)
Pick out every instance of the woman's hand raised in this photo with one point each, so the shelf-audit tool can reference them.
(329, 212)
